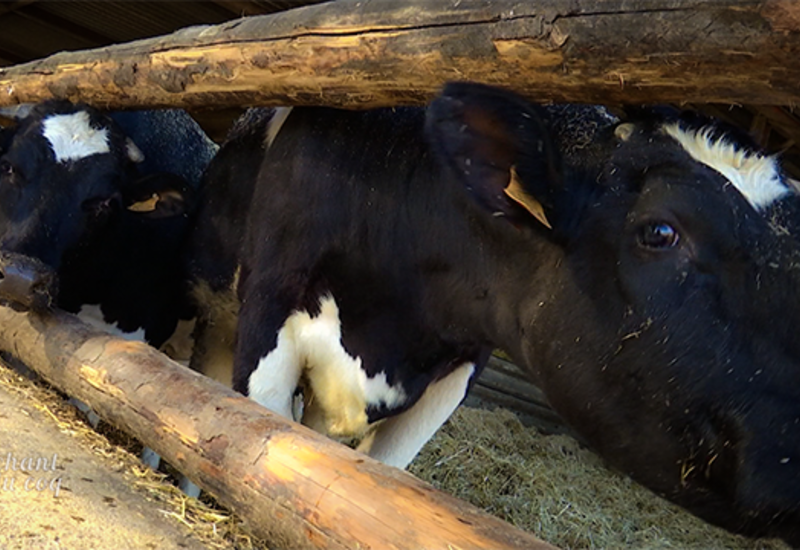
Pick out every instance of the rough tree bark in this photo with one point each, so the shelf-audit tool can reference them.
(361, 54)
(295, 488)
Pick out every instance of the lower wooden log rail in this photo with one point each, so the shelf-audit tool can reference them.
(294, 488)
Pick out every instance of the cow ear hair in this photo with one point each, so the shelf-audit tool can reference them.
(500, 147)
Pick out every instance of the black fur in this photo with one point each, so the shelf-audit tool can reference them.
(71, 219)
(678, 363)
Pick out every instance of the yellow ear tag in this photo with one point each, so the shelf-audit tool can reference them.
(516, 193)
(145, 206)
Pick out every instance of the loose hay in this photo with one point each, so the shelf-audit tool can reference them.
(551, 486)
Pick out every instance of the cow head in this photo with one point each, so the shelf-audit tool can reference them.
(61, 178)
(133, 269)
(660, 309)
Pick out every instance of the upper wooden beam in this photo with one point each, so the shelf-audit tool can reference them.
(361, 54)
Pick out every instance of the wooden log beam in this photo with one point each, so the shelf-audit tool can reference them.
(295, 488)
(362, 54)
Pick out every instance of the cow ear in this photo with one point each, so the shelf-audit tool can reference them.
(501, 149)
(159, 196)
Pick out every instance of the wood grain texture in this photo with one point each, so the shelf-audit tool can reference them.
(295, 488)
(363, 54)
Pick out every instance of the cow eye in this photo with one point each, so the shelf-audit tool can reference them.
(658, 235)
(6, 169)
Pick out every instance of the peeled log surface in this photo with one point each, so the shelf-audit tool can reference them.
(295, 488)
(362, 54)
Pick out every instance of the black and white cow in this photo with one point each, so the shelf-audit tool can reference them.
(649, 286)
(81, 229)
(224, 199)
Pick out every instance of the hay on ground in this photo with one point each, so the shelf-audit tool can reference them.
(552, 487)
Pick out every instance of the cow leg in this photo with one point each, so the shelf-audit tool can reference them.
(268, 365)
(284, 344)
(149, 457)
(214, 339)
(91, 416)
(215, 333)
(399, 438)
(180, 345)
(276, 376)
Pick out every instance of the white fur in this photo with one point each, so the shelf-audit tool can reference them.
(757, 177)
(340, 387)
(378, 392)
(73, 138)
(275, 124)
(399, 438)
(273, 382)
(93, 316)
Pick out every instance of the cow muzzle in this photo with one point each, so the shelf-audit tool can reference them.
(26, 283)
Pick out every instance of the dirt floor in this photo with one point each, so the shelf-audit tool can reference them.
(81, 499)
(64, 486)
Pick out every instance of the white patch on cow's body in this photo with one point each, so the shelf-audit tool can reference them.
(273, 382)
(757, 177)
(398, 439)
(93, 316)
(73, 138)
(341, 390)
(275, 124)
(379, 392)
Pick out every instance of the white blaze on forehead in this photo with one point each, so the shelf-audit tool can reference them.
(757, 177)
(73, 138)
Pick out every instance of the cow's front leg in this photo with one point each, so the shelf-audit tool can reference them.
(398, 439)
(215, 333)
(268, 364)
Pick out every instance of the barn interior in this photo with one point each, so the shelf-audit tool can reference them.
(34, 29)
